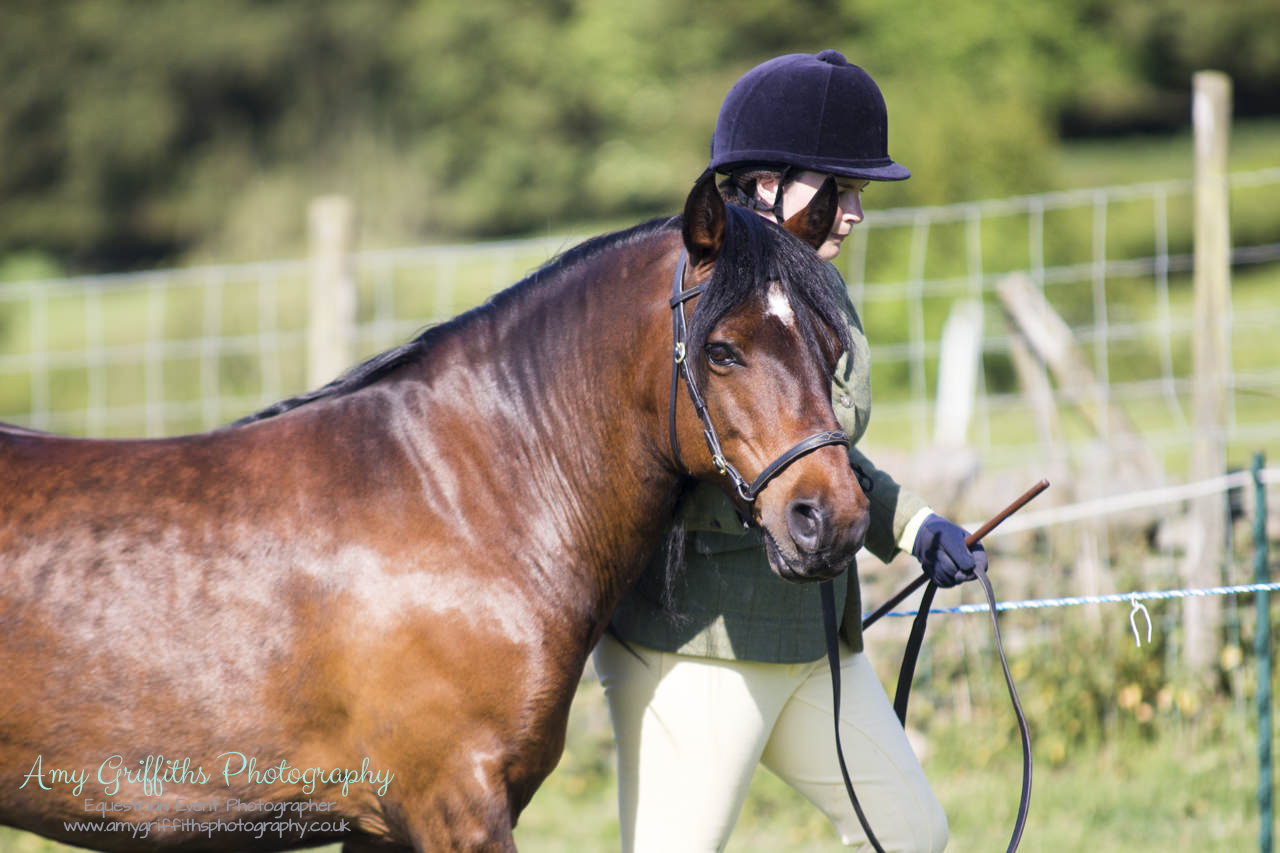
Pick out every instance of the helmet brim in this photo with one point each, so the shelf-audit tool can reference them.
(891, 171)
(876, 170)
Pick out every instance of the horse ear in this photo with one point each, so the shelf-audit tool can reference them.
(704, 219)
(813, 224)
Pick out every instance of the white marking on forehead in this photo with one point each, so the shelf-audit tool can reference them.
(779, 306)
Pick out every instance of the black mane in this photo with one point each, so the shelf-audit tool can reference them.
(368, 372)
(755, 252)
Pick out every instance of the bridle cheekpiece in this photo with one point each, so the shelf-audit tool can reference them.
(682, 366)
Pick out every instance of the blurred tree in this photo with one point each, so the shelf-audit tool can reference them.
(129, 129)
(1162, 43)
(133, 133)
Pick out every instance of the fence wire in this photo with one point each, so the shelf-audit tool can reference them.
(216, 342)
(1106, 507)
(1112, 598)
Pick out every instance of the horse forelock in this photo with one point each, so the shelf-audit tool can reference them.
(755, 254)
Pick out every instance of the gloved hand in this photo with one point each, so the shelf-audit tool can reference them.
(940, 548)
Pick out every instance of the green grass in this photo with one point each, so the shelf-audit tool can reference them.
(1171, 789)
(1160, 157)
(1177, 787)
(1254, 348)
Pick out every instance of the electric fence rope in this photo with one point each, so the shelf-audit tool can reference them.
(1113, 598)
(1038, 519)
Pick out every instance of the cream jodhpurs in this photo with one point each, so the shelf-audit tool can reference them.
(690, 731)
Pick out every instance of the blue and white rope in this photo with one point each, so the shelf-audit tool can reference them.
(1115, 598)
(1094, 508)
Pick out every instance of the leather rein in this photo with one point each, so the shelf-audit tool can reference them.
(682, 367)
(912, 653)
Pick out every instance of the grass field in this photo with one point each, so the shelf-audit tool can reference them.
(1255, 348)
(1180, 791)
(1190, 787)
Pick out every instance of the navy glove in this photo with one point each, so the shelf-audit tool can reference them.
(940, 548)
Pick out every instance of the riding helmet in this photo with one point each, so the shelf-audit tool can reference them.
(807, 111)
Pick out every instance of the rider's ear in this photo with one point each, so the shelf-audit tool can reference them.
(704, 220)
(813, 224)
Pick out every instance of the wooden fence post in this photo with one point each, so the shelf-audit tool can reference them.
(1043, 331)
(331, 293)
(958, 364)
(1211, 353)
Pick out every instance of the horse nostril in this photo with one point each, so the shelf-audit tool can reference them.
(808, 524)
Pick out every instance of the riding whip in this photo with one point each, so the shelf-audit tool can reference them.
(972, 539)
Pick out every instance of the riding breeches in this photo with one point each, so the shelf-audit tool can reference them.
(690, 731)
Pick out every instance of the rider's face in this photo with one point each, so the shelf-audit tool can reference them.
(801, 190)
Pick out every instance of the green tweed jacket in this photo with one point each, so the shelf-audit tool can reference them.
(728, 603)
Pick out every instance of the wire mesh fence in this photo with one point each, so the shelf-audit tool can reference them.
(1115, 264)
(181, 350)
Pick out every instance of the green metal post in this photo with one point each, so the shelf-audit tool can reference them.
(1262, 649)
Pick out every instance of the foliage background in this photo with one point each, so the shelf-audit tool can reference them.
(136, 134)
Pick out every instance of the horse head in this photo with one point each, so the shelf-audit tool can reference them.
(765, 336)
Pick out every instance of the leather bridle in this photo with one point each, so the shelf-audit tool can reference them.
(681, 366)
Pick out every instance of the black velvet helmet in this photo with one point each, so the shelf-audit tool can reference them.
(806, 111)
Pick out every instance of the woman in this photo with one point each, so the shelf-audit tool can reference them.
(723, 667)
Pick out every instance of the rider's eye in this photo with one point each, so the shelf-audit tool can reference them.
(721, 355)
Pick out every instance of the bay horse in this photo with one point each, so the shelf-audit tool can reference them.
(370, 605)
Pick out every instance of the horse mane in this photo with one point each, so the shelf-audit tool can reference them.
(379, 366)
(754, 253)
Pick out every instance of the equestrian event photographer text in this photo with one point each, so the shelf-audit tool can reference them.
(155, 771)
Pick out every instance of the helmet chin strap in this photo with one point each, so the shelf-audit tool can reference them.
(783, 180)
(751, 200)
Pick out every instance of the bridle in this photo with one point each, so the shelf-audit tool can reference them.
(681, 366)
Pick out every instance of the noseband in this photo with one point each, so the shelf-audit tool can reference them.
(682, 366)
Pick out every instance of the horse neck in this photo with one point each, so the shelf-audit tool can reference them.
(576, 374)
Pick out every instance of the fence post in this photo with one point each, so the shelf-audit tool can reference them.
(1262, 650)
(1039, 327)
(1211, 345)
(958, 363)
(331, 294)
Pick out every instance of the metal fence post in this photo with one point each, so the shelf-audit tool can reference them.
(1262, 649)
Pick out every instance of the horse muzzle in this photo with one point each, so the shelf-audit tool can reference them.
(815, 541)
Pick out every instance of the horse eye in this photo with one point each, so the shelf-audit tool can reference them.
(721, 355)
